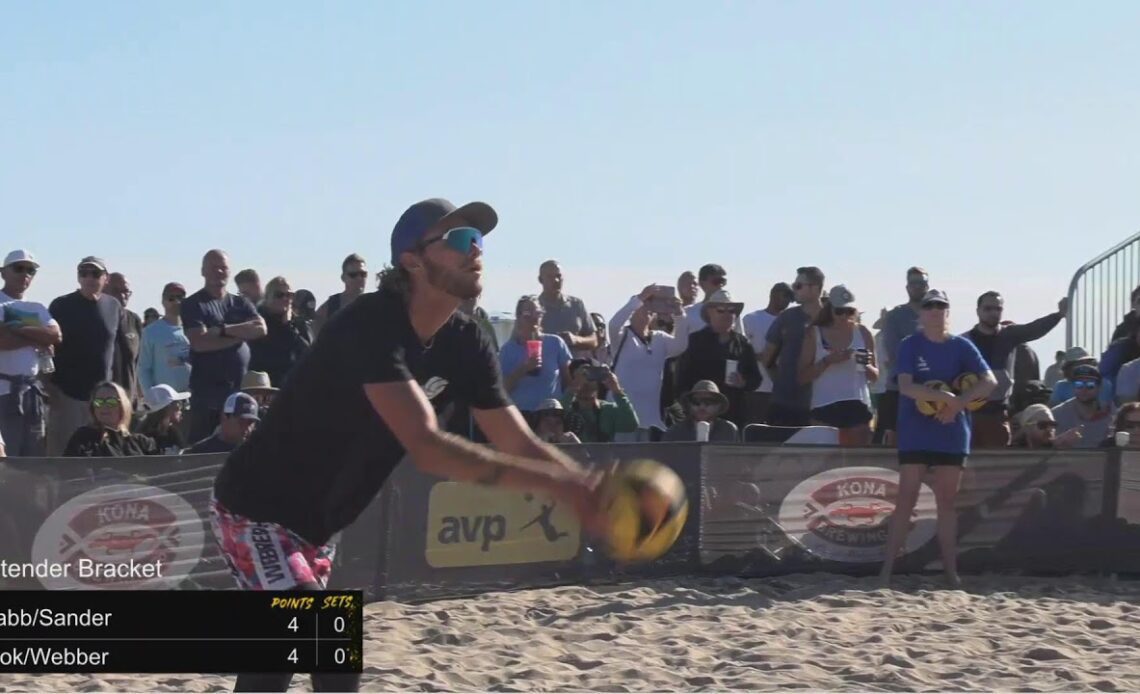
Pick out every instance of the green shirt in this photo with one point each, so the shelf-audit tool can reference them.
(599, 424)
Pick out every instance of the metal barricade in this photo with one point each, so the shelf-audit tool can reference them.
(1100, 295)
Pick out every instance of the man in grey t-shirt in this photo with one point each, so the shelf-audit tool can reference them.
(565, 316)
(791, 401)
(1084, 409)
(900, 322)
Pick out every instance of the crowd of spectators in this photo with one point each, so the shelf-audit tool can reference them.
(86, 376)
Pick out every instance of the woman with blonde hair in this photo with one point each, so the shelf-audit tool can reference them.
(109, 434)
(287, 337)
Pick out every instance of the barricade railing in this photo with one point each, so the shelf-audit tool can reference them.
(1100, 294)
(755, 510)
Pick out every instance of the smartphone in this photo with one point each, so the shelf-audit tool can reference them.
(597, 373)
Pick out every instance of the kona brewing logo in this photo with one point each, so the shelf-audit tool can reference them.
(117, 524)
(843, 514)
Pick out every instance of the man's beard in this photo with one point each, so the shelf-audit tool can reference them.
(457, 283)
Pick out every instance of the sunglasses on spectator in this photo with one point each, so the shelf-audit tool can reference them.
(459, 239)
(843, 311)
(358, 275)
(722, 310)
(704, 402)
(174, 297)
(1045, 426)
(283, 295)
(23, 269)
(106, 402)
(91, 272)
(936, 305)
(1086, 385)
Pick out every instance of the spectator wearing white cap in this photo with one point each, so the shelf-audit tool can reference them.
(164, 407)
(639, 356)
(711, 278)
(240, 414)
(90, 322)
(720, 354)
(838, 360)
(28, 334)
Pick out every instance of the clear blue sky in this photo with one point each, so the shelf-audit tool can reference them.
(995, 143)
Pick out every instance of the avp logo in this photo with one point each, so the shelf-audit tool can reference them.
(843, 514)
(470, 525)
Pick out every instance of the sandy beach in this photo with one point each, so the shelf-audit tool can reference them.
(797, 632)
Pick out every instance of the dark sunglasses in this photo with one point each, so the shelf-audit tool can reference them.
(358, 275)
(106, 402)
(844, 311)
(283, 295)
(936, 305)
(722, 310)
(1086, 385)
(704, 402)
(29, 270)
(92, 272)
(800, 285)
(459, 239)
(1045, 426)
(993, 309)
(174, 297)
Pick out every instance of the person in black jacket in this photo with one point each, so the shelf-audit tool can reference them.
(719, 354)
(164, 418)
(109, 435)
(286, 340)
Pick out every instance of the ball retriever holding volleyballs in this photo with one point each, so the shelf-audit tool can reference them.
(927, 361)
(368, 395)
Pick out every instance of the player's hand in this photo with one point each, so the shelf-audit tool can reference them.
(950, 411)
(584, 494)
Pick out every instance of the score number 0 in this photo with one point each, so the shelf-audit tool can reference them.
(339, 655)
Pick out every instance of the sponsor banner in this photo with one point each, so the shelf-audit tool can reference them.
(471, 525)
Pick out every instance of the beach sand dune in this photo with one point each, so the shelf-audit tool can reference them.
(796, 632)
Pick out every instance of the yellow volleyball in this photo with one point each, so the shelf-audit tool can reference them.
(963, 384)
(932, 407)
(646, 508)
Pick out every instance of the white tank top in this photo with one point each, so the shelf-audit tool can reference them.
(839, 382)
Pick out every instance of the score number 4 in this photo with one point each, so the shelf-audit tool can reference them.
(339, 655)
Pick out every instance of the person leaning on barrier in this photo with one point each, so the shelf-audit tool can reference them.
(109, 433)
(704, 403)
(1037, 428)
(550, 423)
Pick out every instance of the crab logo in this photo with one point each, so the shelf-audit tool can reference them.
(843, 514)
(117, 524)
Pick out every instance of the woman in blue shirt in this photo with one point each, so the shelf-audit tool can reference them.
(939, 443)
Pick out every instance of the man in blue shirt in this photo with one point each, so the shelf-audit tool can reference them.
(218, 325)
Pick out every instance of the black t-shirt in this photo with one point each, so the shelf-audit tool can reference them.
(211, 444)
(214, 375)
(93, 441)
(125, 368)
(284, 344)
(90, 328)
(322, 453)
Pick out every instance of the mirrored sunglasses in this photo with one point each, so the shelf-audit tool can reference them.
(1044, 426)
(459, 239)
(106, 402)
(1086, 385)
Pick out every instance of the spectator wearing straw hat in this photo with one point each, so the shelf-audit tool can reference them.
(719, 354)
(704, 403)
(550, 423)
(259, 386)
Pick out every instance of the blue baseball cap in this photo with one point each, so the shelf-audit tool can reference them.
(241, 405)
(423, 215)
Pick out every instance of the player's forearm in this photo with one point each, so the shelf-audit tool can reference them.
(457, 459)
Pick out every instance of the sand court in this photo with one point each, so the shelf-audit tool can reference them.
(815, 632)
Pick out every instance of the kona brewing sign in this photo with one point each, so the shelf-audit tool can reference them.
(120, 524)
(843, 514)
(470, 525)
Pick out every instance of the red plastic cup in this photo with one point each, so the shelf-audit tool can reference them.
(534, 351)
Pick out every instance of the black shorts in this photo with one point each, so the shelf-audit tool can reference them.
(888, 411)
(843, 414)
(931, 458)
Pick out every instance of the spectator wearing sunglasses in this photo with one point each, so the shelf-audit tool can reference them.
(838, 361)
(165, 355)
(703, 403)
(286, 339)
(711, 278)
(1085, 410)
(791, 400)
(530, 377)
(354, 274)
(1063, 390)
(563, 315)
(720, 354)
(89, 322)
(125, 370)
(1037, 428)
(164, 407)
(27, 334)
(249, 285)
(219, 325)
(899, 323)
(997, 343)
(108, 431)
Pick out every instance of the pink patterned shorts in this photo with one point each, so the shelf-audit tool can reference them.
(267, 556)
